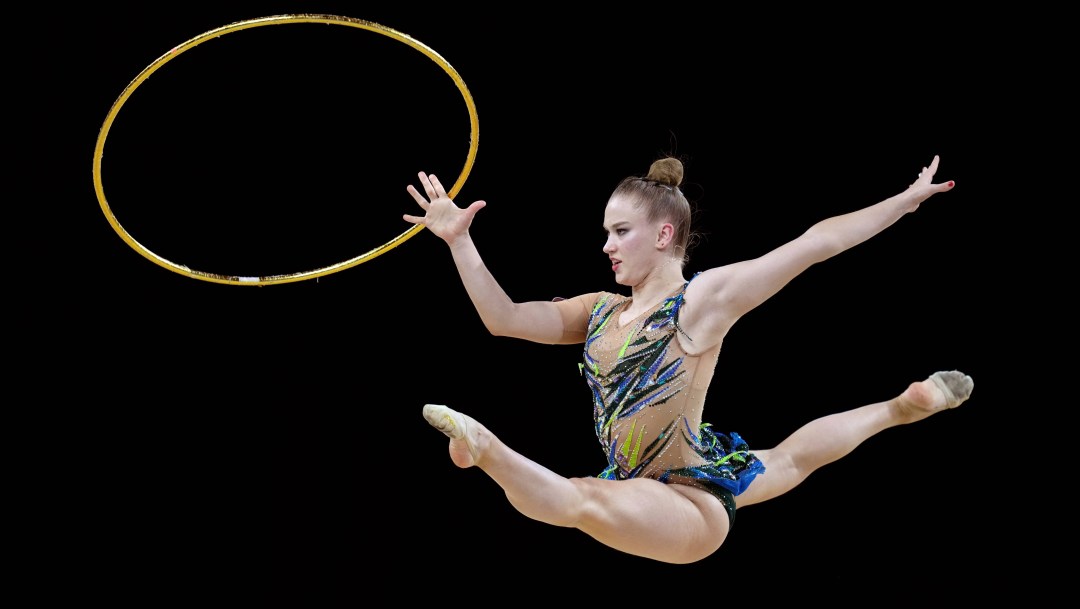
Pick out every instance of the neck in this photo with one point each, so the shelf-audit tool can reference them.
(664, 280)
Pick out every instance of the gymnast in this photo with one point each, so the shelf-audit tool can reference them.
(672, 482)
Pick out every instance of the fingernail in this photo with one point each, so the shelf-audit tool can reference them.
(951, 183)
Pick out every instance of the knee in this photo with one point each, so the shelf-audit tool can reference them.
(587, 509)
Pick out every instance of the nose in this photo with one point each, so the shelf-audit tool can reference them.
(609, 247)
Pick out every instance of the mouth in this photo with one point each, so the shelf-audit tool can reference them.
(615, 264)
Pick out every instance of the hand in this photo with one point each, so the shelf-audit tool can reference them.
(441, 215)
(925, 181)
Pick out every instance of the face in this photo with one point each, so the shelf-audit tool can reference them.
(632, 242)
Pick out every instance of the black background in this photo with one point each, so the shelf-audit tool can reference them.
(266, 442)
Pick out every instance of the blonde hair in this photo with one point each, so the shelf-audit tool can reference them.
(658, 193)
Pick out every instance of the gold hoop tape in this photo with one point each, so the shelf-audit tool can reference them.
(252, 23)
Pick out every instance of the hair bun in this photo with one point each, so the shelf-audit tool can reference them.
(667, 171)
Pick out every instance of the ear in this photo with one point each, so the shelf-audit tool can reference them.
(663, 238)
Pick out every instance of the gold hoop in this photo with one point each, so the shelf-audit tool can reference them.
(243, 25)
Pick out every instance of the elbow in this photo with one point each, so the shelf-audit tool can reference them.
(821, 245)
(498, 327)
(511, 322)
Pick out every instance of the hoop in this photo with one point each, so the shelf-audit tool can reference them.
(243, 25)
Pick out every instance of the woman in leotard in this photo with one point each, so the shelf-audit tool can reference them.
(673, 483)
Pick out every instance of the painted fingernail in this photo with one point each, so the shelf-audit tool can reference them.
(951, 183)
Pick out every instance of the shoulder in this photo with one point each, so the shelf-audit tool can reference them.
(579, 313)
(703, 312)
(588, 301)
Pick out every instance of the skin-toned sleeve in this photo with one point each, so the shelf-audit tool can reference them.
(575, 314)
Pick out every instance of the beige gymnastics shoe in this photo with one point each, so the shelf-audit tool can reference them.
(456, 426)
(956, 386)
(446, 420)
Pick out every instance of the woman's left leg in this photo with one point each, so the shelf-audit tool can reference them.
(831, 437)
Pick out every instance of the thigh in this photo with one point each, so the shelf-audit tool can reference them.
(780, 476)
(669, 522)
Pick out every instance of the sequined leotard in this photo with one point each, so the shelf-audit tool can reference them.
(648, 395)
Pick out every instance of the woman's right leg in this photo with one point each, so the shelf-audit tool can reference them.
(644, 517)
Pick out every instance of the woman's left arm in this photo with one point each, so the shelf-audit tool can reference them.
(728, 292)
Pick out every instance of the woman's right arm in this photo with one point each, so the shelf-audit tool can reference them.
(537, 321)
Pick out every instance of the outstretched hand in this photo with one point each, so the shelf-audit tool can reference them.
(441, 215)
(924, 187)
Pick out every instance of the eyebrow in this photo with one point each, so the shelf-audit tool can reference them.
(617, 225)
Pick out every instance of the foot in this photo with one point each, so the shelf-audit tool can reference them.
(941, 391)
(954, 385)
(457, 427)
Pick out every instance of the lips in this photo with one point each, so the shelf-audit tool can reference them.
(615, 262)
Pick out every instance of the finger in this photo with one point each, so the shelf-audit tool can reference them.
(934, 164)
(475, 207)
(929, 172)
(417, 196)
(425, 181)
(437, 185)
(412, 219)
(434, 188)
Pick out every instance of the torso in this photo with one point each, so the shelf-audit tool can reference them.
(648, 391)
